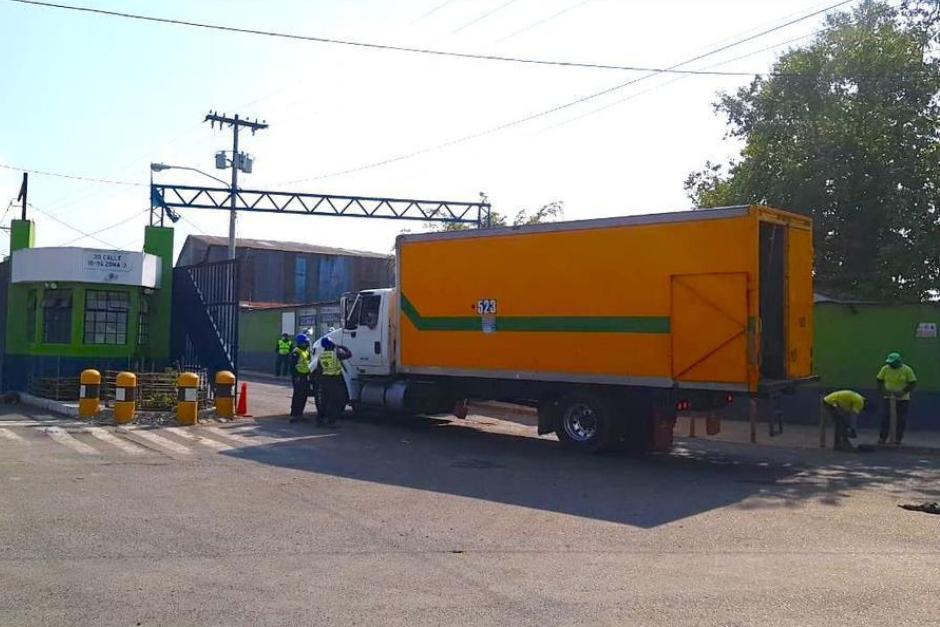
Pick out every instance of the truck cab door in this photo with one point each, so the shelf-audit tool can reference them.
(365, 333)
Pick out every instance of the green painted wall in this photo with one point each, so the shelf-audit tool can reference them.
(158, 241)
(19, 341)
(852, 341)
(258, 330)
(22, 234)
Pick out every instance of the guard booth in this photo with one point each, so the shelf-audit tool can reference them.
(65, 309)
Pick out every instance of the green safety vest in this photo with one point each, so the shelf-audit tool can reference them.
(330, 365)
(303, 361)
(283, 347)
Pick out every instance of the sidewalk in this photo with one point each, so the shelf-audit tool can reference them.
(803, 436)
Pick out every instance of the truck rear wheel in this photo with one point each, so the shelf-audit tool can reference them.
(585, 423)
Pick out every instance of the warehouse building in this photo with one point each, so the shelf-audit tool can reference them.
(292, 273)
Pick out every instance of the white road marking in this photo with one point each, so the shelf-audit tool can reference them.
(9, 435)
(61, 436)
(42, 423)
(162, 442)
(223, 433)
(105, 436)
(190, 435)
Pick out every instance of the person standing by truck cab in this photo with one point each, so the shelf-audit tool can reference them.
(300, 369)
(843, 407)
(331, 387)
(282, 349)
(896, 380)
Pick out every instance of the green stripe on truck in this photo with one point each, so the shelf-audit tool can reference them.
(538, 324)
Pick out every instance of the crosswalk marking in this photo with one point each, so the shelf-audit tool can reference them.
(222, 433)
(9, 435)
(105, 436)
(160, 441)
(209, 442)
(61, 436)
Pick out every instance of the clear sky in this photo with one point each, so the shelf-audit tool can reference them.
(103, 97)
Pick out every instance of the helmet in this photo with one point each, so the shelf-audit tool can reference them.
(327, 344)
(302, 339)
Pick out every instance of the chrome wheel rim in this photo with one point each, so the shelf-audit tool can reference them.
(580, 422)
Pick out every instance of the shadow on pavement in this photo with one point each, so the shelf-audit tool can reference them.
(644, 491)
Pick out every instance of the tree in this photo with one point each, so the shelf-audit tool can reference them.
(845, 130)
(545, 213)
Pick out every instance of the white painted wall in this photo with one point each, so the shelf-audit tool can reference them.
(86, 265)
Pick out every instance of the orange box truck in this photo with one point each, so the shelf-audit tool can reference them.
(608, 326)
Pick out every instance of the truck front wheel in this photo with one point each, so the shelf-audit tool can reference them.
(585, 423)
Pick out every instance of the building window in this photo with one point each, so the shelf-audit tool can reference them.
(143, 322)
(106, 317)
(31, 316)
(57, 316)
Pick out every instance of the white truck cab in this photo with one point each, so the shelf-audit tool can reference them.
(368, 332)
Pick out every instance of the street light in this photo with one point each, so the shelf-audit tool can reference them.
(160, 167)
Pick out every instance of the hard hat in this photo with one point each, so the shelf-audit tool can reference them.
(893, 358)
(302, 339)
(327, 344)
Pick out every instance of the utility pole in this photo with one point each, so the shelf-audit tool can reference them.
(24, 190)
(238, 162)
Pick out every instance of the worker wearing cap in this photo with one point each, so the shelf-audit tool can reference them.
(895, 380)
(282, 349)
(843, 407)
(300, 369)
(331, 387)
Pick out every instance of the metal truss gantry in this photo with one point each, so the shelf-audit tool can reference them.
(170, 197)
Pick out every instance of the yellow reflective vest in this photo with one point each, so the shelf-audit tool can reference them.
(303, 361)
(283, 347)
(330, 365)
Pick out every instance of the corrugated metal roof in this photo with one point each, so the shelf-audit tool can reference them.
(294, 247)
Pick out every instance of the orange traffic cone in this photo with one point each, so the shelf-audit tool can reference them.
(242, 409)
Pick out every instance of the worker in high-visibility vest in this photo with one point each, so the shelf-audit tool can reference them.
(896, 380)
(843, 407)
(300, 368)
(282, 349)
(331, 387)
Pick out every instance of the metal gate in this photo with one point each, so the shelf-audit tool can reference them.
(205, 315)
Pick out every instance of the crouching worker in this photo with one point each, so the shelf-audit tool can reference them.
(331, 387)
(843, 407)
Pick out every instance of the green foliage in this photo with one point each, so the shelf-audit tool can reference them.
(546, 213)
(845, 129)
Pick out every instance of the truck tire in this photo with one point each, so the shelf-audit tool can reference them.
(585, 423)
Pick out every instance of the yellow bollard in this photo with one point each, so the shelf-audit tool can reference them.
(89, 394)
(224, 394)
(125, 397)
(187, 406)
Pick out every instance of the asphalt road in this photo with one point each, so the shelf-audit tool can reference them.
(469, 523)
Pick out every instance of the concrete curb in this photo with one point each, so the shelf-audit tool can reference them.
(49, 405)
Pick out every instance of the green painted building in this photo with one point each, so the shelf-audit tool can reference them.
(66, 309)
(852, 340)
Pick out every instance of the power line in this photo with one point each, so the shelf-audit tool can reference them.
(387, 47)
(538, 23)
(102, 230)
(720, 63)
(434, 10)
(567, 105)
(70, 176)
(69, 226)
(482, 17)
